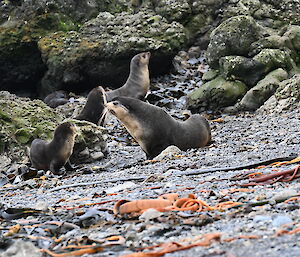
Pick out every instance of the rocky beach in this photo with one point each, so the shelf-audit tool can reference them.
(235, 62)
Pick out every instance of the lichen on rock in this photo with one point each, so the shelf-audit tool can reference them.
(23, 120)
(232, 37)
(286, 97)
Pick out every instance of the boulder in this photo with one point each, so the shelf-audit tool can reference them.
(23, 120)
(215, 94)
(260, 93)
(241, 68)
(286, 97)
(232, 37)
(275, 58)
(100, 52)
(21, 64)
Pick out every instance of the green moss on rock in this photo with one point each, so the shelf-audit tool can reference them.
(260, 93)
(103, 46)
(241, 68)
(275, 58)
(216, 94)
(21, 121)
(232, 37)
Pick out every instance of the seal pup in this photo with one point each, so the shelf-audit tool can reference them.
(138, 82)
(93, 109)
(56, 98)
(155, 130)
(55, 154)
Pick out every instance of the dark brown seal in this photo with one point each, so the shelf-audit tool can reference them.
(94, 106)
(136, 86)
(55, 154)
(138, 82)
(56, 98)
(155, 130)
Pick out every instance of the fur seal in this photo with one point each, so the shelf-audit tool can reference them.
(56, 98)
(136, 86)
(94, 106)
(155, 130)
(55, 154)
(138, 82)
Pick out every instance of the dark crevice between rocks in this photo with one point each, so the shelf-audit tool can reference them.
(22, 70)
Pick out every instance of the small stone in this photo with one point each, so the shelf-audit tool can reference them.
(22, 249)
(150, 214)
(168, 154)
(284, 194)
(262, 218)
(41, 205)
(85, 152)
(281, 220)
(97, 155)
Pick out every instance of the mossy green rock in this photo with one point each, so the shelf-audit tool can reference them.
(260, 93)
(286, 97)
(101, 51)
(21, 64)
(232, 37)
(22, 120)
(78, 10)
(216, 94)
(241, 68)
(173, 10)
(275, 58)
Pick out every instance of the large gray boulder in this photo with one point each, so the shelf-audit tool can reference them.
(23, 120)
(232, 37)
(286, 97)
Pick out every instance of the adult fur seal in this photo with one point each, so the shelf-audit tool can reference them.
(55, 154)
(94, 106)
(136, 86)
(138, 82)
(56, 98)
(155, 130)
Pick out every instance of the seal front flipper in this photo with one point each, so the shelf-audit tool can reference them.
(56, 168)
(68, 166)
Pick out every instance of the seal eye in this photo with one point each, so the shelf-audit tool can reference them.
(115, 103)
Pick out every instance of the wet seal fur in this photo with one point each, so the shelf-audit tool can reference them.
(94, 106)
(56, 98)
(155, 130)
(55, 154)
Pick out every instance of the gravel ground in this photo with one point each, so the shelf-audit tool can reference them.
(239, 140)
